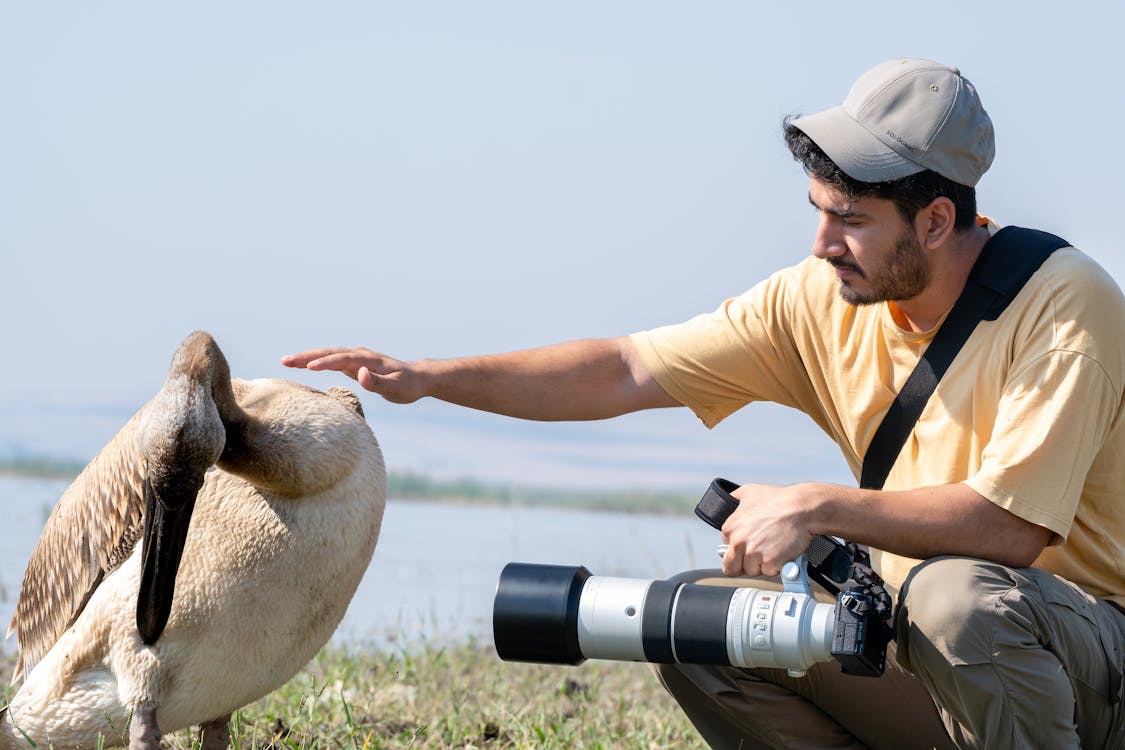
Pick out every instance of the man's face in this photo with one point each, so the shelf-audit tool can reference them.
(876, 253)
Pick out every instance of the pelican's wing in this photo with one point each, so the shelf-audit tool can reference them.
(91, 531)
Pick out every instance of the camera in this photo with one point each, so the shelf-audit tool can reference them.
(559, 614)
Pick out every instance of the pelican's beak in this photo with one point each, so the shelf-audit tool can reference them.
(169, 502)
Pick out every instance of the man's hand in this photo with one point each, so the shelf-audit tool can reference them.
(396, 381)
(773, 525)
(769, 528)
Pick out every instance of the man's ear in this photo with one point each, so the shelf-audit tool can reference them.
(934, 223)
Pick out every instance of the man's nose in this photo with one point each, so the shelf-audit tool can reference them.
(829, 240)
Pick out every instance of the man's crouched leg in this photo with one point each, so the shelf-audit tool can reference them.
(1015, 658)
(745, 709)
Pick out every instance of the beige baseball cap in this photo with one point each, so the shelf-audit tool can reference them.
(904, 116)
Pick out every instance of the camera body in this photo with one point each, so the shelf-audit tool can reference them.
(565, 615)
(860, 635)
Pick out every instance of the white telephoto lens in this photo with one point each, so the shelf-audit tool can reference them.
(609, 618)
(778, 629)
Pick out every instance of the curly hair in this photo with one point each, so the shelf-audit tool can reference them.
(909, 194)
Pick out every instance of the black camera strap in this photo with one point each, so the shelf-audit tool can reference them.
(1007, 261)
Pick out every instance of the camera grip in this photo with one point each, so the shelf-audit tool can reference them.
(827, 558)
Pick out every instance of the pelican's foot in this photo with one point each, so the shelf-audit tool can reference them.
(215, 734)
(143, 732)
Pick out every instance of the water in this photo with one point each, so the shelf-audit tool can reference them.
(434, 572)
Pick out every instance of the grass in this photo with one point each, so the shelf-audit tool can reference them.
(457, 697)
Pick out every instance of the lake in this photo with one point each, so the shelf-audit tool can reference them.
(434, 572)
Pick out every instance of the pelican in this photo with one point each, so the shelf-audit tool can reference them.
(197, 563)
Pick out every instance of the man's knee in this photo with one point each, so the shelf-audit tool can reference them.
(948, 608)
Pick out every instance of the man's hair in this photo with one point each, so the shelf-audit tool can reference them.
(909, 194)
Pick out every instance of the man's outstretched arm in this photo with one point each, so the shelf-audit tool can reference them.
(576, 380)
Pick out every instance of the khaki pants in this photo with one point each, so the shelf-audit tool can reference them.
(985, 657)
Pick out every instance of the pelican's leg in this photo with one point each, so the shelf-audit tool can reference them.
(143, 732)
(215, 734)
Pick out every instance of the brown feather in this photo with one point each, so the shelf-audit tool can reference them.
(91, 531)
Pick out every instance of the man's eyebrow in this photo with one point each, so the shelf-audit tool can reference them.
(845, 213)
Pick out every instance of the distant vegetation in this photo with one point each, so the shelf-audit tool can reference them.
(406, 485)
(37, 466)
(414, 486)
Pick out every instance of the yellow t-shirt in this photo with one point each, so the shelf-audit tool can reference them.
(1028, 415)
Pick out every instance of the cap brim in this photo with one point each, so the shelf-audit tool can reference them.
(853, 148)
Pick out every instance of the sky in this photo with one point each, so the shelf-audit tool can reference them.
(434, 179)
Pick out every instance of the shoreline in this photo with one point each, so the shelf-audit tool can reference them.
(466, 491)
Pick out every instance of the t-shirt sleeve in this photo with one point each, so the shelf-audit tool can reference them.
(1036, 463)
(718, 362)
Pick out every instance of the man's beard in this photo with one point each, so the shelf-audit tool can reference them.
(905, 273)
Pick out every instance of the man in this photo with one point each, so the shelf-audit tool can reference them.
(1001, 524)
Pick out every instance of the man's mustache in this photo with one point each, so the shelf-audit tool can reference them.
(837, 263)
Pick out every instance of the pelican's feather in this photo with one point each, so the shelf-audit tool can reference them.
(91, 531)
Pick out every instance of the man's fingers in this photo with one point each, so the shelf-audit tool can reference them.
(302, 359)
(367, 379)
(736, 562)
(342, 361)
(347, 361)
(375, 372)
